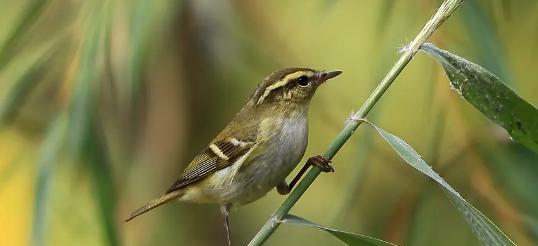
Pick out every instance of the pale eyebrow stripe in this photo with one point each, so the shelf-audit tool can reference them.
(282, 82)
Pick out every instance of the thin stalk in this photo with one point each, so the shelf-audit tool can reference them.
(447, 7)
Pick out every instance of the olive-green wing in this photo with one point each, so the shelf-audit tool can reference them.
(216, 156)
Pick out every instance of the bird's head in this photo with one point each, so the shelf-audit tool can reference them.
(290, 86)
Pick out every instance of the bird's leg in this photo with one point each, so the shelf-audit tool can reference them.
(319, 161)
(225, 213)
(283, 188)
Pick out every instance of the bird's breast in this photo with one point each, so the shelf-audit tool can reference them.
(280, 154)
(290, 143)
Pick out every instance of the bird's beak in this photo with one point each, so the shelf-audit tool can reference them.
(324, 76)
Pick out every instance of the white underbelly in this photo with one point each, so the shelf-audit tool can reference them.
(282, 154)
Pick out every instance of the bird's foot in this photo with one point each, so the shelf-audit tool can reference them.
(321, 162)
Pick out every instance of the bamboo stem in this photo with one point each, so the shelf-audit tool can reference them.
(447, 7)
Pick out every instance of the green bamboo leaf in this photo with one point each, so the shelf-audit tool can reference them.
(487, 232)
(491, 96)
(49, 157)
(346, 237)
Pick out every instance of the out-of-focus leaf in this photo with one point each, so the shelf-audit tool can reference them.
(346, 237)
(102, 179)
(487, 232)
(384, 15)
(489, 95)
(532, 226)
(140, 35)
(17, 95)
(363, 151)
(83, 114)
(28, 17)
(517, 181)
(49, 157)
(86, 86)
(486, 41)
(506, 7)
(7, 172)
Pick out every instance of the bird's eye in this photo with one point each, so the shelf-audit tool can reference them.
(302, 81)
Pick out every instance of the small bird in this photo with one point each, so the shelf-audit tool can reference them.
(257, 150)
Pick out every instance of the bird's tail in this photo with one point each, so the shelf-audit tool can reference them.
(155, 203)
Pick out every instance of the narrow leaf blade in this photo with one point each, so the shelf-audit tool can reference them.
(85, 90)
(15, 97)
(486, 231)
(49, 157)
(346, 237)
(491, 96)
(103, 181)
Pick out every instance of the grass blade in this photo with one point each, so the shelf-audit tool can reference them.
(487, 232)
(49, 156)
(86, 85)
(97, 159)
(84, 116)
(491, 96)
(346, 237)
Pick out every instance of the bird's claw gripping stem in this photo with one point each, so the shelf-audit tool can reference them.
(321, 162)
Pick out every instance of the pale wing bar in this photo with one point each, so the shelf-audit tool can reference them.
(216, 156)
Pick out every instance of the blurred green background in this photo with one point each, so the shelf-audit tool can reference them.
(103, 103)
